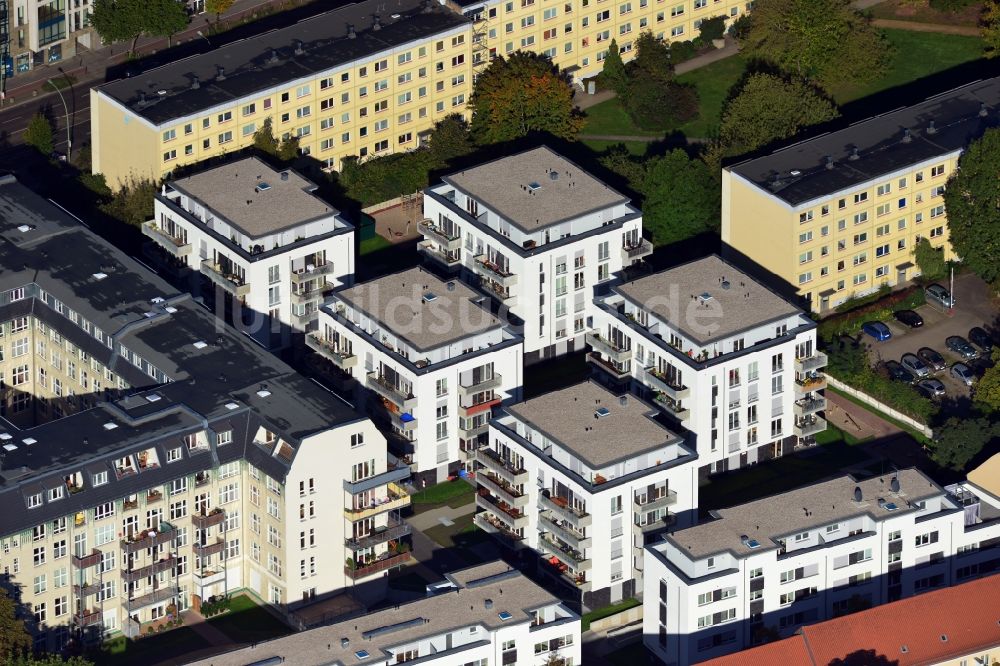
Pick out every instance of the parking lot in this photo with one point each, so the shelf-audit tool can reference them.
(973, 307)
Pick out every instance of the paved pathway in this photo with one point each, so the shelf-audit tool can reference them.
(917, 26)
(432, 518)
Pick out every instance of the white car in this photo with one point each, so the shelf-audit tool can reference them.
(913, 363)
(963, 373)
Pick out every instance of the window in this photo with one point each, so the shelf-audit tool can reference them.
(937, 171)
(860, 197)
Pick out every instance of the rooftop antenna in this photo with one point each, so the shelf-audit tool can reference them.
(854, 154)
(351, 34)
(195, 83)
(221, 76)
(931, 129)
(298, 47)
(906, 136)
(983, 112)
(376, 22)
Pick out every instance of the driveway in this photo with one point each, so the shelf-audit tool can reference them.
(974, 306)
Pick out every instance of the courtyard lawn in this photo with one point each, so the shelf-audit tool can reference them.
(713, 83)
(454, 493)
(173, 644)
(601, 613)
(247, 622)
(374, 244)
(462, 534)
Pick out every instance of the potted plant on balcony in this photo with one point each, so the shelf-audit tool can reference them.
(351, 564)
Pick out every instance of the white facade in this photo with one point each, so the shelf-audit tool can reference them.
(587, 520)
(432, 382)
(749, 395)
(726, 585)
(544, 274)
(279, 268)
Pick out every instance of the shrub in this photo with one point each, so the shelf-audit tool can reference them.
(713, 28)
(950, 5)
(681, 51)
(739, 28)
(877, 306)
(850, 365)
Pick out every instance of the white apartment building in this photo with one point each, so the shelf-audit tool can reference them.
(153, 459)
(481, 616)
(539, 233)
(762, 569)
(260, 239)
(585, 478)
(432, 360)
(722, 355)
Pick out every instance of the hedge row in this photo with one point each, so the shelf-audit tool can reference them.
(877, 309)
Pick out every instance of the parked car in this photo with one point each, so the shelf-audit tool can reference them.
(979, 337)
(961, 346)
(877, 330)
(963, 373)
(939, 295)
(909, 317)
(932, 358)
(932, 388)
(915, 365)
(899, 373)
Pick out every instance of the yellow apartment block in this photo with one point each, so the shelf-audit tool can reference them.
(367, 79)
(839, 215)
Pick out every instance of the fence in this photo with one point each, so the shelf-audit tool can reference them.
(627, 616)
(885, 409)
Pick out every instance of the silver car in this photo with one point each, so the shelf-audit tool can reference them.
(963, 373)
(912, 363)
(939, 295)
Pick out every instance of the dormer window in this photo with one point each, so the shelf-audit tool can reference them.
(56, 493)
(100, 478)
(34, 501)
(225, 437)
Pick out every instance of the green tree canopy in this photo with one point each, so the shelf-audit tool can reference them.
(264, 139)
(38, 134)
(654, 99)
(990, 22)
(218, 7)
(121, 20)
(988, 388)
(930, 260)
(521, 94)
(712, 28)
(288, 149)
(959, 440)
(767, 108)
(971, 200)
(132, 203)
(681, 198)
(825, 40)
(450, 139)
(613, 75)
(14, 638)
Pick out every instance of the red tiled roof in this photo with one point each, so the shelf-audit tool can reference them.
(968, 615)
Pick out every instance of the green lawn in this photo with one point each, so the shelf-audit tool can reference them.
(610, 118)
(246, 622)
(713, 83)
(159, 647)
(374, 244)
(461, 535)
(602, 613)
(453, 493)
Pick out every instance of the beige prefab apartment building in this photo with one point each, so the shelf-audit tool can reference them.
(369, 78)
(153, 458)
(839, 215)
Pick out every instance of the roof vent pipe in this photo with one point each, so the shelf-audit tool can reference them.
(854, 154)
(376, 22)
(351, 34)
(298, 47)
(983, 112)
(273, 58)
(829, 162)
(931, 129)
(221, 76)
(906, 136)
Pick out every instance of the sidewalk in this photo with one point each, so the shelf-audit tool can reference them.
(92, 65)
(917, 26)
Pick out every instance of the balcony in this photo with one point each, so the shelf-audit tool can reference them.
(809, 406)
(154, 597)
(658, 381)
(357, 572)
(312, 273)
(568, 534)
(430, 249)
(809, 427)
(214, 517)
(303, 319)
(649, 503)
(330, 352)
(404, 421)
(87, 618)
(478, 387)
(86, 590)
(381, 385)
(447, 241)
(633, 253)
(810, 363)
(396, 498)
(653, 527)
(209, 549)
(499, 531)
(209, 577)
(594, 358)
(672, 407)
(87, 561)
(608, 348)
(515, 519)
(172, 245)
(565, 510)
(132, 575)
(805, 386)
(491, 460)
(395, 529)
(503, 490)
(316, 293)
(229, 282)
(487, 269)
(501, 293)
(469, 411)
(394, 472)
(566, 554)
(474, 431)
(149, 538)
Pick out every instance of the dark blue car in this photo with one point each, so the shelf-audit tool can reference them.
(877, 330)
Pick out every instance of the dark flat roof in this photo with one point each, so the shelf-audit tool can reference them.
(880, 143)
(249, 67)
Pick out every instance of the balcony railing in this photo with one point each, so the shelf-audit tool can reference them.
(816, 383)
(511, 516)
(209, 577)
(446, 240)
(503, 490)
(482, 385)
(394, 530)
(565, 532)
(595, 358)
(811, 363)
(809, 406)
(660, 382)
(311, 273)
(328, 351)
(213, 518)
(565, 553)
(499, 531)
(132, 575)
(229, 282)
(608, 348)
(396, 498)
(171, 244)
(86, 590)
(809, 427)
(636, 251)
(87, 618)
(430, 248)
(209, 549)
(503, 468)
(565, 510)
(316, 293)
(650, 503)
(390, 392)
(149, 538)
(154, 597)
(480, 407)
(376, 567)
(395, 471)
(488, 269)
(473, 431)
(87, 561)
(672, 407)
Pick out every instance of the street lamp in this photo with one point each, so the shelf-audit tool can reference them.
(69, 139)
(202, 35)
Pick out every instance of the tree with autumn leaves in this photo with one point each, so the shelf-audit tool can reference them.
(522, 94)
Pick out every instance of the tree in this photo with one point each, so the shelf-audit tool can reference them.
(613, 76)
(930, 260)
(521, 94)
(682, 199)
(14, 638)
(164, 18)
(121, 20)
(988, 388)
(959, 440)
(450, 139)
(218, 7)
(288, 149)
(827, 41)
(38, 134)
(971, 202)
(654, 100)
(990, 22)
(766, 108)
(712, 28)
(264, 140)
(132, 203)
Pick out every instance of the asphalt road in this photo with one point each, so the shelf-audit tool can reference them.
(15, 120)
